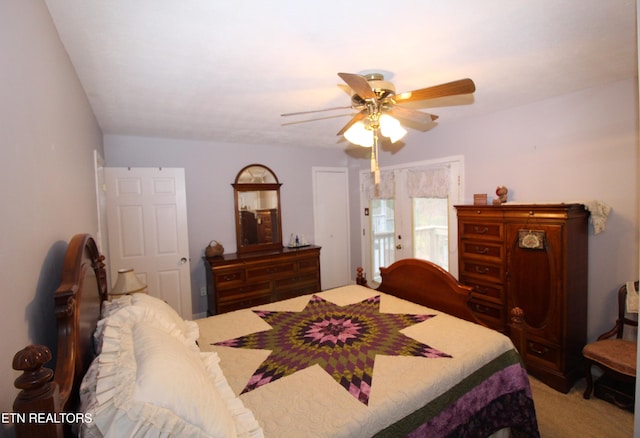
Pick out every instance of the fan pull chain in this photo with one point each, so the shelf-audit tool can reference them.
(374, 158)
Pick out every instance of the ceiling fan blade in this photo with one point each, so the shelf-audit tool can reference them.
(462, 86)
(360, 116)
(401, 112)
(316, 111)
(359, 84)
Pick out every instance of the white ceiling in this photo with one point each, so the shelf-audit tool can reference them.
(226, 70)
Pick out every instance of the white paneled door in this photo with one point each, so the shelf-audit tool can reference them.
(331, 225)
(147, 227)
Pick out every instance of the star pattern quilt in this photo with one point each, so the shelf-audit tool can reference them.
(354, 362)
(343, 340)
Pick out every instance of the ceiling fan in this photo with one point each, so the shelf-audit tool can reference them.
(379, 108)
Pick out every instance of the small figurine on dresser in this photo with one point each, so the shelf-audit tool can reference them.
(501, 191)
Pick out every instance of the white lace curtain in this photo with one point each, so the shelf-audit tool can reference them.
(385, 189)
(428, 183)
(431, 182)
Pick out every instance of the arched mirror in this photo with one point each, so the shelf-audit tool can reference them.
(257, 205)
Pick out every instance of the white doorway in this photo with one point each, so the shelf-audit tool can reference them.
(331, 224)
(147, 228)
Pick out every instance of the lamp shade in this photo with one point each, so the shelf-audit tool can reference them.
(390, 127)
(127, 283)
(360, 135)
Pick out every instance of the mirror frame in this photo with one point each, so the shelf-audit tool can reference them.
(238, 189)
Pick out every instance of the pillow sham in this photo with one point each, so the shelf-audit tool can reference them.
(189, 329)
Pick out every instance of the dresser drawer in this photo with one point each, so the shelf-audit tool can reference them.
(482, 249)
(229, 278)
(481, 271)
(309, 264)
(270, 271)
(481, 230)
(297, 281)
(245, 290)
(242, 303)
(296, 292)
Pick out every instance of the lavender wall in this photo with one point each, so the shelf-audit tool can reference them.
(47, 138)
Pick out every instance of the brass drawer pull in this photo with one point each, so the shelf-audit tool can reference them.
(482, 250)
(480, 230)
(481, 270)
(481, 290)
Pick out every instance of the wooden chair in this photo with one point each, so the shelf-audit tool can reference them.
(615, 356)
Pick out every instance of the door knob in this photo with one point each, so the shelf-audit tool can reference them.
(183, 260)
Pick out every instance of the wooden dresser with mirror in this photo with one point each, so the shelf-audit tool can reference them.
(262, 270)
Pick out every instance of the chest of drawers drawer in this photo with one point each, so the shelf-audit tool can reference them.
(491, 314)
(481, 270)
(478, 249)
(485, 290)
(481, 230)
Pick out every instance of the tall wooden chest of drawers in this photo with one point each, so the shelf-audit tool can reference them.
(236, 281)
(527, 264)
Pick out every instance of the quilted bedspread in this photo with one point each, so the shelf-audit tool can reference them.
(354, 362)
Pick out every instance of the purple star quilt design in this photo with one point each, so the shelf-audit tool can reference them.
(343, 340)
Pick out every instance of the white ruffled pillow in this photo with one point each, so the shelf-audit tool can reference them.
(151, 384)
(112, 306)
(148, 382)
(189, 329)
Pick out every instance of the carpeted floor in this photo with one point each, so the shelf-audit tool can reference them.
(570, 415)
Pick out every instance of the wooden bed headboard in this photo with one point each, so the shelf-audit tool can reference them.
(425, 283)
(78, 301)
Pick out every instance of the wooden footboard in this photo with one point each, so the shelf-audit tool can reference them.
(425, 283)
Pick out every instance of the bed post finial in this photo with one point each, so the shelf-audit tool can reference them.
(38, 393)
(361, 277)
(517, 330)
(30, 360)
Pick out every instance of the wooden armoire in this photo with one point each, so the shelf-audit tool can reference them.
(527, 264)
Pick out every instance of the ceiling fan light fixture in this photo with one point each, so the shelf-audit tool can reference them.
(360, 135)
(391, 128)
(372, 97)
